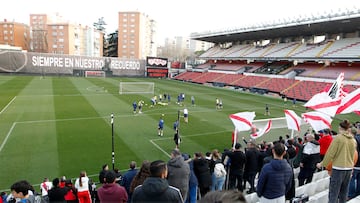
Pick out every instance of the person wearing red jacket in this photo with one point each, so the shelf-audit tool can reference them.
(325, 142)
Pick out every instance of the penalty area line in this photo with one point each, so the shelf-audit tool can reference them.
(7, 105)
(166, 138)
(7, 136)
(157, 146)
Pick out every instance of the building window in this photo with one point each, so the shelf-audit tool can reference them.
(61, 40)
(5, 25)
(124, 46)
(124, 30)
(54, 34)
(54, 46)
(61, 27)
(54, 27)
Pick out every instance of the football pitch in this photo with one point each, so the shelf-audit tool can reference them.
(55, 126)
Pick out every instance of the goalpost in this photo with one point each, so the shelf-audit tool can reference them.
(136, 88)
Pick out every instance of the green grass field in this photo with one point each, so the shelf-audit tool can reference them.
(57, 126)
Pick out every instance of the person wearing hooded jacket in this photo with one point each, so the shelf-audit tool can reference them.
(339, 160)
(156, 188)
(178, 173)
(275, 178)
(111, 191)
(310, 157)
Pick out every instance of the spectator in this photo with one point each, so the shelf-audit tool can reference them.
(217, 176)
(62, 181)
(82, 187)
(178, 173)
(275, 178)
(128, 177)
(156, 188)
(341, 156)
(225, 196)
(140, 177)
(104, 169)
(70, 196)
(310, 156)
(118, 176)
(111, 191)
(20, 190)
(202, 172)
(45, 186)
(56, 193)
(325, 142)
(354, 187)
(252, 155)
(237, 164)
(193, 182)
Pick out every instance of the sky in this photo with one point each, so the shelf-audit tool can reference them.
(175, 17)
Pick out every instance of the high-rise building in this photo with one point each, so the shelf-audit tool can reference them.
(136, 35)
(15, 34)
(38, 25)
(55, 35)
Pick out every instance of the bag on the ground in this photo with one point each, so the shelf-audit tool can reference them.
(219, 170)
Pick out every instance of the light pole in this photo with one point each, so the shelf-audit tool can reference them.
(112, 141)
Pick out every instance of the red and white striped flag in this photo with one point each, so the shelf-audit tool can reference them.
(262, 131)
(293, 121)
(243, 120)
(317, 120)
(328, 101)
(350, 103)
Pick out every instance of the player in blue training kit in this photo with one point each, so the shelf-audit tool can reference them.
(134, 106)
(161, 127)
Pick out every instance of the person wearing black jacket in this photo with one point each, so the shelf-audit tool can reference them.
(57, 193)
(237, 164)
(156, 188)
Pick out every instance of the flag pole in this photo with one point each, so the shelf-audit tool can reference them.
(292, 133)
(112, 141)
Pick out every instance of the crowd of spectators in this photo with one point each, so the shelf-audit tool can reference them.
(265, 168)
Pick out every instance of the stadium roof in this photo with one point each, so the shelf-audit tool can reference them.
(337, 23)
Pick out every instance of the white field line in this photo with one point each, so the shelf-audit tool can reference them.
(7, 105)
(7, 136)
(161, 149)
(167, 138)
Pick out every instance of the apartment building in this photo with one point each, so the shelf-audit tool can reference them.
(15, 34)
(56, 35)
(136, 35)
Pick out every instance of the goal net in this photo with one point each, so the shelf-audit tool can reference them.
(136, 88)
(95, 73)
